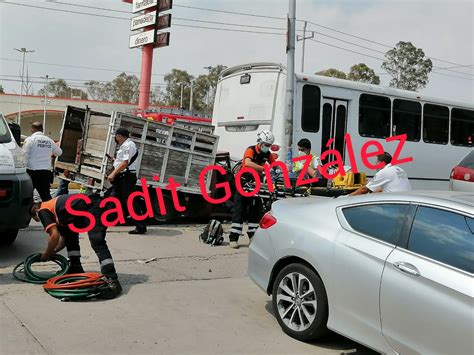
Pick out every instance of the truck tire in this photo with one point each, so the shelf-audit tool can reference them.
(8, 236)
(170, 210)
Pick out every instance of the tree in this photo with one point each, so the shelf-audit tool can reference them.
(332, 73)
(125, 88)
(1, 90)
(174, 81)
(408, 66)
(361, 72)
(203, 88)
(98, 90)
(59, 88)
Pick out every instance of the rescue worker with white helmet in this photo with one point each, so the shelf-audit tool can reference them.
(255, 157)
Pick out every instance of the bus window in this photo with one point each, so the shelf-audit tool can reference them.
(311, 108)
(435, 124)
(407, 119)
(462, 127)
(374, 116)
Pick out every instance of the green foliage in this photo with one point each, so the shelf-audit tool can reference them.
(59, 88)
(361, 72)
(334, 73)
(408, 66)
(124, 88)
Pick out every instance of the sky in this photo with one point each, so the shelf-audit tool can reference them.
(443, 29)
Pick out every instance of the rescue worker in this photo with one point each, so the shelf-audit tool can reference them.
(388, 179)
(124, 177)
(38, 150)
(56, 219)
(255, 157)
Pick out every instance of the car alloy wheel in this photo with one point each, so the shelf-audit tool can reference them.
(300, 302)
(296, 301)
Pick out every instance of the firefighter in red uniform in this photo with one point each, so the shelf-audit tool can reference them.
(255, 157)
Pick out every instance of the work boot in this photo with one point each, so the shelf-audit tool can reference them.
(113, 289)
(233, 244)
(138, 230)
(75, 269)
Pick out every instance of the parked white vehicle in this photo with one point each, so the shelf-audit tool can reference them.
(462, 175)
(16, 188)
(393, 271)
(251, 97)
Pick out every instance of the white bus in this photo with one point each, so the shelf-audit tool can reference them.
(251, 97)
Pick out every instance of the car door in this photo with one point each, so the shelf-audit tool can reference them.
(427, 287)
(370, 233)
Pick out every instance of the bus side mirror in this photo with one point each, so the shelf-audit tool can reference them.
(16, 131)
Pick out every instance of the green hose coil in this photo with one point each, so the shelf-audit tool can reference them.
(23, 271)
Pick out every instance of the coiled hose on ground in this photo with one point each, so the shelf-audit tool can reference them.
(24, 272)
(58, 284)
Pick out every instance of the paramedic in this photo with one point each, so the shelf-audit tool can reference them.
(255, 157)
(304, 148)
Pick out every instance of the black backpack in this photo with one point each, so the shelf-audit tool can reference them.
(213, 233)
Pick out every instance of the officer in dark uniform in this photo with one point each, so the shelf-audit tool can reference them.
(124, 177)
(255, 157)
(56, 220)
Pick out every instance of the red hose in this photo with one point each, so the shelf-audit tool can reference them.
(75, 281)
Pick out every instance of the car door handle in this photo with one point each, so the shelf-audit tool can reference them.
(406, 268)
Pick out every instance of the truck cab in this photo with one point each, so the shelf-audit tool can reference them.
(16, 188)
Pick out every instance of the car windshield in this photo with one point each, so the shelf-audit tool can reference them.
(5, 136)
(468, 161)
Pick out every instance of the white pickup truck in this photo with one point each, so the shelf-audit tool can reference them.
(16, 188)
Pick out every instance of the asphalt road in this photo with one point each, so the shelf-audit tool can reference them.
(191, 299)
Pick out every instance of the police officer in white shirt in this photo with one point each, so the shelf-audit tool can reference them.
(38, 150)
(388, 179)
(124, 177)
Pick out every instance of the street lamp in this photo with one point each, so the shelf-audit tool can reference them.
(191, 99)
(23, 51)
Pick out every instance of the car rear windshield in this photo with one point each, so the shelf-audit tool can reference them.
(468, 161)
(5, 136)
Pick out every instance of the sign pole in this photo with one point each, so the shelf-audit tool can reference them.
(149, 39)
(145, 80)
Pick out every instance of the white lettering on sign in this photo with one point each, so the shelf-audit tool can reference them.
(143, 21)
(141, 39)
(139, 5)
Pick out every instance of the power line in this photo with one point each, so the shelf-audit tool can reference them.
(68, 84)
(230, 12)
(387, 46)
(346, 49)
(381, 59)
(76, 66)
(275, 28)
(246, 31)
(128, 19)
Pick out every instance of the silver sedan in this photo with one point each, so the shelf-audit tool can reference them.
(392, 271)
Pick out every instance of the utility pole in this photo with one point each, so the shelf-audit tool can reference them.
(45, 101)
(304, 38)
(23, 51)
(290, 78)
(181, 102)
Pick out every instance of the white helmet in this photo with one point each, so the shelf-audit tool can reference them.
(265, 136)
